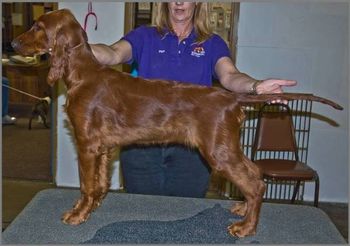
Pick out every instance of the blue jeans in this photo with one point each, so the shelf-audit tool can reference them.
(174, 170)
(5, 96)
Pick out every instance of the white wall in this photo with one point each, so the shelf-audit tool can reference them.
(110, 17)
(307, 42)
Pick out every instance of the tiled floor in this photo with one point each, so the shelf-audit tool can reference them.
(17, 193)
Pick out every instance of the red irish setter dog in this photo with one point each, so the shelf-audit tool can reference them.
(107, 109)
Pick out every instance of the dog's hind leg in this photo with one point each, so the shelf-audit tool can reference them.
(43, 117)
(246, 177)
(30, 123)
(239, 208)
(222, 150)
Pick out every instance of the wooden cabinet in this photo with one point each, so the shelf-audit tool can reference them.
(28, 78)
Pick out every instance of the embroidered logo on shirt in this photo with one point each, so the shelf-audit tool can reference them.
(198, 51)
(161, 51)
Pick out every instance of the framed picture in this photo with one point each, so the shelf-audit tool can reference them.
(213, 19)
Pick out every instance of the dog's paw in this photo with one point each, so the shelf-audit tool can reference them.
(241, 229)
(72, 217)
(96, 205)
(239, 208)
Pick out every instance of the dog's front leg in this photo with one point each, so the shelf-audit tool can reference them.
(84, 206)
(102, 178)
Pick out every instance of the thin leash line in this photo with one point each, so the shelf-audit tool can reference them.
(23, 92)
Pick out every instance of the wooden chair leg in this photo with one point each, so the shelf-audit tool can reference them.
(296, 190)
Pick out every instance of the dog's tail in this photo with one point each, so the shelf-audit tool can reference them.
(249, 98)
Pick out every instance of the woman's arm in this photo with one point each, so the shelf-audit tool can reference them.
(119, 52)
(233, 80)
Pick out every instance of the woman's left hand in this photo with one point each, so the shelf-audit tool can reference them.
(271, 86)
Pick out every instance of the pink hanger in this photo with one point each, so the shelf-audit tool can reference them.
(90, 12)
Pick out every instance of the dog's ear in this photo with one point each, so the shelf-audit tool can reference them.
(58, 58)
(69, 34)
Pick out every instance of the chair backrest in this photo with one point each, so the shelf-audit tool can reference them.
(275, 131)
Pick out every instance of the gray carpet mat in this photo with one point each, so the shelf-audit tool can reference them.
(208, 226)
(127, 218)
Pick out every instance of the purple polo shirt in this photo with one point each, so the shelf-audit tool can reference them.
(162, 57)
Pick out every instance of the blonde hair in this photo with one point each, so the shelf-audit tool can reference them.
(200, 20)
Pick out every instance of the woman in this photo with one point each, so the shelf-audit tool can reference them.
(179, 47)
